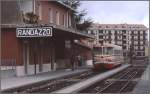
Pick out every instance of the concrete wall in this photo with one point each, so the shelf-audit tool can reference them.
(20, 70)
(44, 8)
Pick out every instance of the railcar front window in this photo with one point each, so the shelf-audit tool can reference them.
(98, 51)
(108, 51)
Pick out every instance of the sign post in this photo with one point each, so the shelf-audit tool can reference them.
(34, 32)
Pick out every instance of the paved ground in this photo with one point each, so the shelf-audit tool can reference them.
(143, 87)
(8, 83)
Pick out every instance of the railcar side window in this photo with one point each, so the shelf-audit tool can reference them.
(117, 52)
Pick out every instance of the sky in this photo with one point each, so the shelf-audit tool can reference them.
(116, 12)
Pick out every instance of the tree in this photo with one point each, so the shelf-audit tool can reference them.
(80, 22)
(30, 18)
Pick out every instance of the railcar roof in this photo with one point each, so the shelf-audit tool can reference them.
(109, 45)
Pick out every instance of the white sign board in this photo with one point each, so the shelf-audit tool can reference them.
(34, 32)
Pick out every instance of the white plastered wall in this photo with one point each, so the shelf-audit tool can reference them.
(20, 70)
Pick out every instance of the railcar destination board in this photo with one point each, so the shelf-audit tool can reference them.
(34, 32)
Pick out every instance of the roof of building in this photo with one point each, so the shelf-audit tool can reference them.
(118, 26)
(69, 30)
(67, 6)
(109, 45)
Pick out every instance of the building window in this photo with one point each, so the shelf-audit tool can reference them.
(141, 42)
(124, 47)
(141, 48)
(143, 53)
(93, 32)
(135, 32)
(107, 37)
(40, 12)
(57, 17)
(100, 31)
(141, 37)
(50, 16)
(135, 37)
(89, 32)
(138, 53)
(69, 20)
(64, 20)
(67, 44)
(124, 31)
(136, 47)
(124, 54)
(141, 32)
(101, 42)
(100, 37)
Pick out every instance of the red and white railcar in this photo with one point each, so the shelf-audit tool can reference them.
(107, 56)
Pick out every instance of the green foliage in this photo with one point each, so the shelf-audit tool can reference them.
(79, 16)
(85, 25)
(30, 18)
(72, 3)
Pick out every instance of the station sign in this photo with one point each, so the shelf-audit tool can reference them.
(34, 32)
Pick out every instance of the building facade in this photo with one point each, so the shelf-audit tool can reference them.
(125, 35)
(33, 53)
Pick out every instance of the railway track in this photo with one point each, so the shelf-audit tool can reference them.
(54, 84)
(122, 82)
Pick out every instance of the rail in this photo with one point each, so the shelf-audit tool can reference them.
(132, 76)
(128, 75)
(112, 82)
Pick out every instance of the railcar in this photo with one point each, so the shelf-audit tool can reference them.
(107, 56)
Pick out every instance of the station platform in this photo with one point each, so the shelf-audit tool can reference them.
(143, 87)
(14, 82)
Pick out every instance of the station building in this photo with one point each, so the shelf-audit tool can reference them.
(49, 45)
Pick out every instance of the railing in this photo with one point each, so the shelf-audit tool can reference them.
(86, 44)
(7, 64)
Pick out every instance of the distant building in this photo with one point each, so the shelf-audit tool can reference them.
(46, 46)
(125, 35)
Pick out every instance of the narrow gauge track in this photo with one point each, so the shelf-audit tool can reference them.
(53, 84)
(121, 82)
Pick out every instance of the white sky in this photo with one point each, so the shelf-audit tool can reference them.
(132, 12)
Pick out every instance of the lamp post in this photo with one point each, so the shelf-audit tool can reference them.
(131, 53)
(93, 57)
